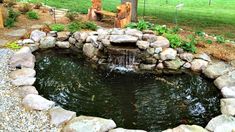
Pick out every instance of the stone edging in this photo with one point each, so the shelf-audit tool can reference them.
(153, 54)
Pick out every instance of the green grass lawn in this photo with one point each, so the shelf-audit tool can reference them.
(219, 17)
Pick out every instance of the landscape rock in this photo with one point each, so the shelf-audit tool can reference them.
(226, 127)
(22, 60)
(160, 66)
(186, 57)
(149, 37)
(25, 90)
(123, 39)
(80, 36)
(148, 31)
(217, 69)
(23, 50)
(151, 51)
(93, 40)
(125, 130)
(37, 102)
(226, 80)
(134, 32)
(173, 64)
(17, 33)
(89, 124)
(27, 41)
(187, 65)
(187, 128)
(105, 42)
(203, 56)
(24, 72)
(63, 44)
(227, 106)
(161, 42)
(117, 31)
(198, 65)
(52, 34)
(158, 50)
(147, 66)
(24, 81)
(36, 35)
(33, 47)
(60, 116)
(168, 54)
(228, 92)
(219, 121)
(89, 50)
(102, 34)
(62, 36)
(143, 44)
(72, 40)
(47, 42)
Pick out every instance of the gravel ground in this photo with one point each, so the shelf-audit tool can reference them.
(13, 117)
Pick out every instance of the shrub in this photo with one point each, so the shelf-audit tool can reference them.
(25, 7)
(74, 26)
(13, 45)
(57, 27)
(190, 45)
(160, 30)
(9, 3)
(220, 39)
(9, 22)
(32, 15)
(11, 18)
(37, 5)
(208, 41)
(71, 15)
(175, 40)
(141, 25)
(89, 25)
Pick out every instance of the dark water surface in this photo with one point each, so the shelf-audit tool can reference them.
(137, 101)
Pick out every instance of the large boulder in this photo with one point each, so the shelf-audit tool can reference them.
(36, 35)
(198, 65)
(37, 102)
(227, 80)
(161, 42)
(62, 36)
(134, 32)
(24, 81)
(149, 37)
(22, 60)
(28, 41)
(143, 44)
(228, 92)
(125, 130)
(89, 50)
(187, 57)
(89, 124)
(117, 31)
(217, 69)
(227, 106)
(63, 44)
(24, 72)
(173, 64)
(47, 42)
(219, 121)
(203, 56)
(123, 39)
(80, 36)
(60, 116)
(26, 90)
(168, 54)
(23, 50)
(187, 128)
(226, 127)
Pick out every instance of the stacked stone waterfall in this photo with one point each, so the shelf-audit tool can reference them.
(143, 50)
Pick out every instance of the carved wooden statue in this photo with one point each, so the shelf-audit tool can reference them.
(1, 18)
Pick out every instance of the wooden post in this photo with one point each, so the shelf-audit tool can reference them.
(1, 19)
(96, 6)
(123, 16)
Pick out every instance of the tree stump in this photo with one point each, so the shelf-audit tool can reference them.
(123, 16)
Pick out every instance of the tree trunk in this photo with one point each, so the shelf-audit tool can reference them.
(134, 12)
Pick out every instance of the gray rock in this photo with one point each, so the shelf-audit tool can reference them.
(125, 130)
(168, 54)
(218, 121)
(148, 32)
(156, 56)
(187, 128)
(149, 37)
(161, 42)
(3, 42)
(102, 34)
(80, 36)
(37, 102)
(134, 32)
(226, 127)
(227, 80)
(198, 65)
(147, 66)
(25, 90)
(160, 66)
(24, 81)
(228, 92)
(217, 69)
(60, 116)
(23, 50)
(143, 44)
(89, 124)
(93, 40)
(47, 42)
(173, 64)
(21, 73)
(63, 44)
(79, 45)
(158, 50)
(187, 65)
(37, 26)
(36, 35)
(23, 60)
(203, 56)
(28, 41)
(62, 36)
(150, 60)
(106, 42)
(227, 106)
(187, 57)
(33, 47)
(17, 33)
(89, 50)
(151, 51)
(72, 40)
(52, 34)
(117, 31)
(179, 50)
(123, 39)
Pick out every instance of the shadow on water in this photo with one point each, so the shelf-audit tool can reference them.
(137, 101)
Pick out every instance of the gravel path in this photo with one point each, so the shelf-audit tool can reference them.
(13, 117)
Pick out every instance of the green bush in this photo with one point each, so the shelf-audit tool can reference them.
(11, 18)
(71, 15)
(57, 27)
(32, 15)
(141, 25)
(160, 30)
(74, 26)
(89, 25)
(220, 39)
(13, 45)
(175, 40)
(190, 45)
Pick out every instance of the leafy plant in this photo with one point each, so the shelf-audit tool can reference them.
(141, 25)
(57, 27)
(9, 3)
(176, 29)
(89, 25)
(160, 29)
(71, 15)
(190, 45)
(220, 39)
(208, 41)
(9, 22)
(74, 26)
(175, 40)
(32, 15)
(25, 7)
(11, 18)
(37, 5)
(200, 33)
(13, 45)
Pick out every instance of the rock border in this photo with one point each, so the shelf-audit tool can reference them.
(154, 54)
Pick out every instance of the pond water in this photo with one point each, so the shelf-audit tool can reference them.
(136, 101)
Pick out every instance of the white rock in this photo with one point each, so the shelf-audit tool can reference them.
(37, 102)
(28, 41)
(226, 127)
(160, 66)
(89, 124)
(24, 50)
(186, 56)
(125, 130)
(161, 42)
(21, 73)
(89, 50)
(62, 36)
(158, 50)
(187, 128)
(187, 65)
(36, 35)
(47, 42)
(168, 54)
(228, 92)
(227, 106)
(198, 65)
(203, 56)
(143, 44)
(25, 90)
(218, 121)
(63, 44)
(23, 60)
(123, 39)
(134, 32)
(227, 80)
(33, 47)
(117, 31)
(217, 69)
(60, 116)
(24, 81)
